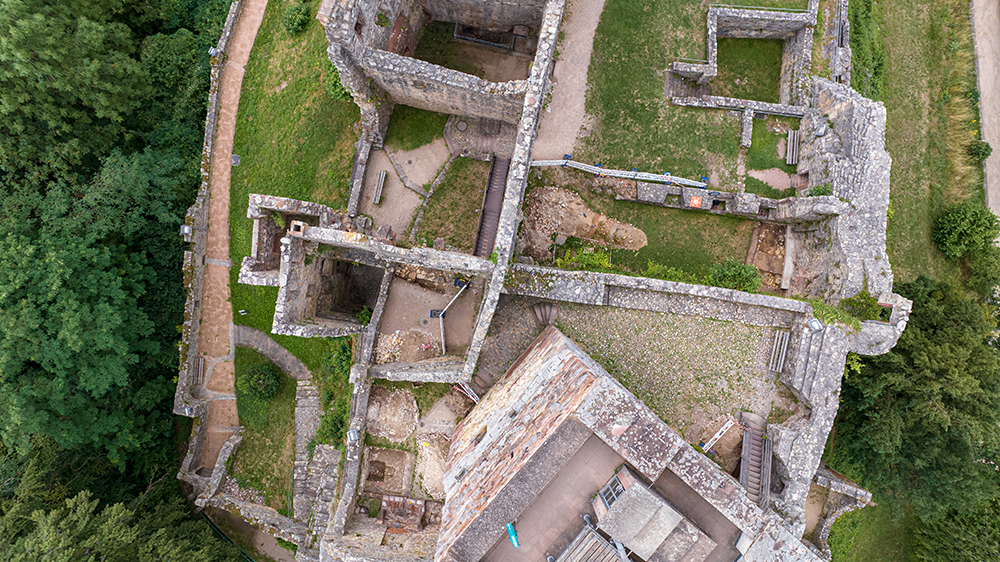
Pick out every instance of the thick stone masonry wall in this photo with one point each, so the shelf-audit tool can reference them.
(193, 455)
(423, 257)
(446, 369)
(294, 306)
(498, 15)
(263, 517)
(219, 471)
(428, 86)
(197, 218)
(623, 291)
(517, 177)
(796, 62)
(851, 497)
(759, 24)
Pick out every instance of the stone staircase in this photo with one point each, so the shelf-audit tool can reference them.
(755, 464)
(307, 412)
(324, 471)
(809, 376)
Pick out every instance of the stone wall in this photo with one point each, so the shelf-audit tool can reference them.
(197, 218)
(850, 496)
(445, 369)
(498, 15)
(760, 23)
(517, 177)
(428, 86)
(796, 65)
(623, 291)
(219, 471)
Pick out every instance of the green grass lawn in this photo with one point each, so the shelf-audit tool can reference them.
(451, 213)
(265, 458)
(754, 185)
(294, 140)
(436, 46)
(411, 128)
(916, 132)
(872, 535)
(763, 152)
(754, 63)
(636, 125)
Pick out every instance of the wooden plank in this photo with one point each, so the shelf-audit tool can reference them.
(379, 184)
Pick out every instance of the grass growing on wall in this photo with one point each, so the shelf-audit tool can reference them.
(451, 213)
(294, 140)
(748, 69)
(411, 128)
(265, 458)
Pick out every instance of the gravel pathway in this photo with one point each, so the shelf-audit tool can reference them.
(693, 372)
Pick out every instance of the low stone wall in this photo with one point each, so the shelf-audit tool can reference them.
(718, 102)
(851, 497)
(197, 218)
(445, 369)
(264, 518)
(352, 460)
(744, 23)
(517, 177)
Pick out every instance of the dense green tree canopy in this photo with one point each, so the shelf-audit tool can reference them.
(922, 422)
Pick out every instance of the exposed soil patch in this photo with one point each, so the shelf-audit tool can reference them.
(493, 64)
(421, 165)
(392, 415)
(434, 433)
(553, 210)
(387, 471)
(774, 177)
(397, 205)
(769, 257)
(727, 449)
(815, 503)
(409, 345)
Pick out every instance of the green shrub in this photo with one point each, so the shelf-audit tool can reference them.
(290, 546)
(965, 228)
(335, 396)
(862, 306)
(365, 316)
(598, 260)
(820, 190)
(382, 20)
(734, 275)
(260, 380)
(295, 19)
(980, 150)
(658, 271)
(984, 270)
(335, 87)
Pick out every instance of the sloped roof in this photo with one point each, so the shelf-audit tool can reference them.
(554, 397)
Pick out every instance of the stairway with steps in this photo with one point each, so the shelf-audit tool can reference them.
(588, 546)
(489, 219)
(809, 367)
(307, 413)
(324, 470)
(545, 313)
(755, 461)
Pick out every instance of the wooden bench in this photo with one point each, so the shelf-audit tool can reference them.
(379, 184)
(792, 148)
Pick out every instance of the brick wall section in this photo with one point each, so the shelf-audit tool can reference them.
(197, 217)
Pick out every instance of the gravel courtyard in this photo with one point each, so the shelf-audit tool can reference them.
(693, 372)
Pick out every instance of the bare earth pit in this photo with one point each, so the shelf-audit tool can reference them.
(553, 210)
(392, 415)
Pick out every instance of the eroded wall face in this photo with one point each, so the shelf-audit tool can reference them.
(496, 15)
(427, 86)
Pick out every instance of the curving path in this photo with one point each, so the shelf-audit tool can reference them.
(214, 341)
(249, 337)
(986, 24)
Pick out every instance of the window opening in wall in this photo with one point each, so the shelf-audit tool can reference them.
(359, 27)
(611, 491)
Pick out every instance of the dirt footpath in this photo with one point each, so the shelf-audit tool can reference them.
(564, 114)
(217, 310)
(986, 20)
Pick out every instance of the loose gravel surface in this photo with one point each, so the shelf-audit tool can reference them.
(693, 372)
